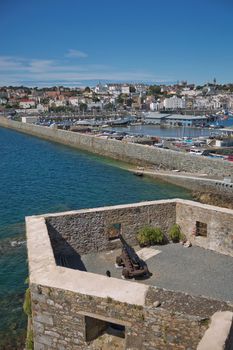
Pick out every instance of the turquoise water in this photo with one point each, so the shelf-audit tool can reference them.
(39, 176)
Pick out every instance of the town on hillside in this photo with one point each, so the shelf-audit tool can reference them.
(118, 98)
(182, 117)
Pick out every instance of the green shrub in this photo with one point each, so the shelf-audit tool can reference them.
(150, 235)
(175, 234)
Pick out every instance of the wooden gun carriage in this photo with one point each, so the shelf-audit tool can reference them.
(132, 265)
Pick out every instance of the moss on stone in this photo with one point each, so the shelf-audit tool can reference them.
(29, 340)
(27, 303)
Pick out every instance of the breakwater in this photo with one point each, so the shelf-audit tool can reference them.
(196, 184)
(128, 152)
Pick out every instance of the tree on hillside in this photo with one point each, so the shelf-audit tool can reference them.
(109, 106)
(120, 99)
(154, 90)
(87, 89)
(83, 107)
(132, 89)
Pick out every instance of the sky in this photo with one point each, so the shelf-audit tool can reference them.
(79, 43)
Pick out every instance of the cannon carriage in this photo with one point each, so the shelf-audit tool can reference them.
(131, 263)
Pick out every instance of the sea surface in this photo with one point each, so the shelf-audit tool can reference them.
(156, 130)
(37, 177)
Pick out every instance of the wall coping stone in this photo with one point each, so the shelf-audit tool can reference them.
(216, 335)
(44, 271)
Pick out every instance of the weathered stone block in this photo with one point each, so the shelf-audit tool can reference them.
(44, 319)
(43, 339)
(38, 346)
(52, 334)
(38, 327)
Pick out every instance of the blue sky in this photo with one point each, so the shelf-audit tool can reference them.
(78, 42)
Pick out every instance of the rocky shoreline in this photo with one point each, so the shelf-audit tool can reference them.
(213, 199)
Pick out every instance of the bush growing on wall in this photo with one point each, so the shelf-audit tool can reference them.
(175, 234)
(150, 235)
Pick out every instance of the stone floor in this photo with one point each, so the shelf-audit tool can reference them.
(194, 270)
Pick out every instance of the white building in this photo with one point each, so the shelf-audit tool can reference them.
(125, 89)
(155, 117)
(57, 103)
(185, 120)
(29, 119)
(41, 108)
(173, 119)
(191, 93)
(174, 102)
(92, 105)
(154, 106)
(25, 103)
(3, 101)
(101, 89)
(73, 101)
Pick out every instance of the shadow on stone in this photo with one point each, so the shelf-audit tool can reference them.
(65, 255)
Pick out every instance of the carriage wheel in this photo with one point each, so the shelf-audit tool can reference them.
(119, 261)
(125, 273)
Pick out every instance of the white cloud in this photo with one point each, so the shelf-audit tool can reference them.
(8, 63)
(40, 66)
(32, 72)
(76, 54)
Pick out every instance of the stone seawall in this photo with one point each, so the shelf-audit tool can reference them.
(198, 184)
(128, 152)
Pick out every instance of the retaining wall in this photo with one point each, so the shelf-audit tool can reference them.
(128, 152)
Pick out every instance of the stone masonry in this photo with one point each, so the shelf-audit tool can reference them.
(71, 307)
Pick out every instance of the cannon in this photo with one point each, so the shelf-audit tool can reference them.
(132, 265)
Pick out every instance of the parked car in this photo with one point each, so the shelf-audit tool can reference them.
(195, 151)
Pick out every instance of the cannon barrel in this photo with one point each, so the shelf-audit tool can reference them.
(131, 252)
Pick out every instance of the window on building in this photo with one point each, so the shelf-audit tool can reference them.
(113, 231)
(201, 229)
(96, 328)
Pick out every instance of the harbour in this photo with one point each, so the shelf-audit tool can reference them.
(42, 176)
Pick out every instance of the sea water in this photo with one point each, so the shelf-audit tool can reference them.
(37, 177)
(157, 130)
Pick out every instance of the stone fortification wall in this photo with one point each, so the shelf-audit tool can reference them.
(129, 152)
(70, 307)
(218, 221)
(94, 230)
(59, 319)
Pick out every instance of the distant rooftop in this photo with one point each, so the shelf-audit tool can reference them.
(185, 117)
(156, 115)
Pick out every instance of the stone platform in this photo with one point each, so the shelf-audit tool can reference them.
(193, 270)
